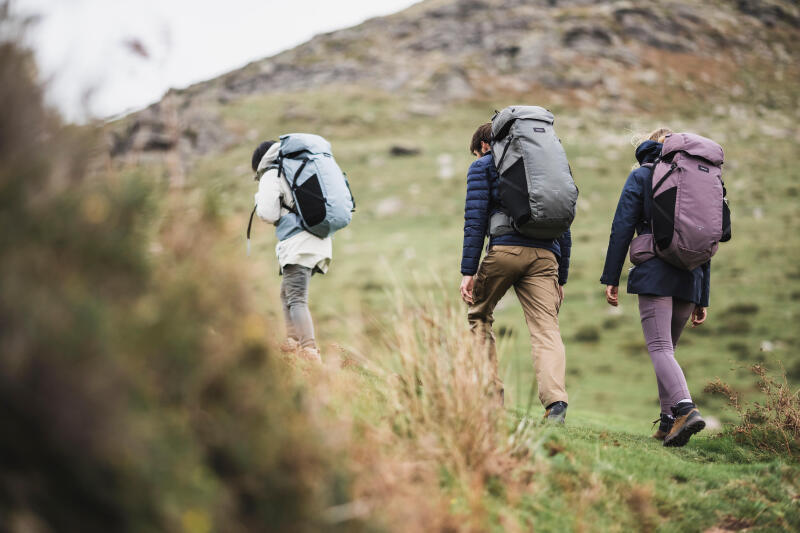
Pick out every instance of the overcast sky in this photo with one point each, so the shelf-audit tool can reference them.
(92, 46)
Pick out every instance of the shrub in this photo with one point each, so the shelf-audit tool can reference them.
(139, 390)
(772, 425)
(588, 334)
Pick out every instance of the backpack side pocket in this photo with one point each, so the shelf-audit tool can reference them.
(642, 249)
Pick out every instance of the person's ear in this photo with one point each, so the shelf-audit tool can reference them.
(485, 147)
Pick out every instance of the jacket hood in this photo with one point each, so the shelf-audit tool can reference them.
(647, 152)
(269, 157)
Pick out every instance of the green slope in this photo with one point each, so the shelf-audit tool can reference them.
(605, 473)
(407, 232)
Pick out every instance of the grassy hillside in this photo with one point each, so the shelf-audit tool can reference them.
(143, 391)
(602, 472)
(407, 234)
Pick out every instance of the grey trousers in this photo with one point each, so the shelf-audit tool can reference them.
(294, 300)
(663, 320)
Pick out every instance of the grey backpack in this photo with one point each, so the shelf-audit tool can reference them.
(537, 191)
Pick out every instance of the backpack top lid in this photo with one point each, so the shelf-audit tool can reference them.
(501, 122)
(695, 145)
(294, 143)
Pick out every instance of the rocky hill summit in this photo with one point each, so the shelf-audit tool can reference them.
(604, 53)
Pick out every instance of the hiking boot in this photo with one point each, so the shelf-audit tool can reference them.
(309, 353)
(664, 425)
(556, 412)
(687, 422)
(290, 345)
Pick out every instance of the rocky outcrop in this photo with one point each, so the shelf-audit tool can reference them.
(441, 50)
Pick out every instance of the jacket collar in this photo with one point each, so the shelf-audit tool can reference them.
(647, 152)
(269, 157)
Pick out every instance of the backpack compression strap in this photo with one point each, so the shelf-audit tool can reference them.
(651, 194)
(353, 198)
(250, 225)
(503, 155)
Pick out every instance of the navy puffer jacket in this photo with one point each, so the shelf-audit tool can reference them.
(654, 277)
(483, 200)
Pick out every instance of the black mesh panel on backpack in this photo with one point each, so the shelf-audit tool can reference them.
(310, 201)
(726, 222)
(664, 217)
(514, 193)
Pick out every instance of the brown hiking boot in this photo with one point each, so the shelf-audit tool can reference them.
(664, 426)
(290, 345)
(687, 422)
(309, 353)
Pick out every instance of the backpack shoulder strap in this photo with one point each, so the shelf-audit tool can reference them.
(647, 210)
(492, 181)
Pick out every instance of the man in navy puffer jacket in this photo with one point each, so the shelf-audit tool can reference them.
(536, 268)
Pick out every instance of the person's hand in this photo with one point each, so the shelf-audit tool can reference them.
(612, 295)
(467, 283)
(561, 293)
(699, 315)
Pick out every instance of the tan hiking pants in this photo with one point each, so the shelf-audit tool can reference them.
(533, 272)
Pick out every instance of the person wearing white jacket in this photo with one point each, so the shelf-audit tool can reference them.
(300, 254)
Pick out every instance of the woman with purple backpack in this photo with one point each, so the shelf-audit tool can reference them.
(668, 295)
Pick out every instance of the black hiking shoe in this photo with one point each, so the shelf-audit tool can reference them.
(687, 422)
(664, 425)
(556, 412)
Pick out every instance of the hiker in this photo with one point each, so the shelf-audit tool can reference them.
(300, 253)
(537, 268)
(669, 293)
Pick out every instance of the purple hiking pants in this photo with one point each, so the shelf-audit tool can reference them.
(663, 320)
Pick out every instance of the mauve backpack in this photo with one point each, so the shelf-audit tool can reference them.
(688, 205)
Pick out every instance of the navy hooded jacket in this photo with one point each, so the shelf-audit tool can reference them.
(483, 200)
(655, 276)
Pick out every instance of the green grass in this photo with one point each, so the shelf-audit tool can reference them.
(417, 245)
(605, 472)
(689, 489)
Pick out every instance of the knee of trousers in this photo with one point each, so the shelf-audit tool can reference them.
(661, 347)
(477, 317)
(295, 298)
(480, 327)
(547, 341)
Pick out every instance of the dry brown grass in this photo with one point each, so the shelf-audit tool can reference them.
(445, 429)
(772, 425)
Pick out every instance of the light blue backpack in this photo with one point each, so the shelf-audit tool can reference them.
(323, 203)
(322, 197)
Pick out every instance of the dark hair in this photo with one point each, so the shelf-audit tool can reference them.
(482, 134)
(259, 152)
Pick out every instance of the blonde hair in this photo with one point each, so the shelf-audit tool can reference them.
(657, 135)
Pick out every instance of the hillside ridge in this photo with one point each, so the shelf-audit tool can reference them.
(603, 53)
